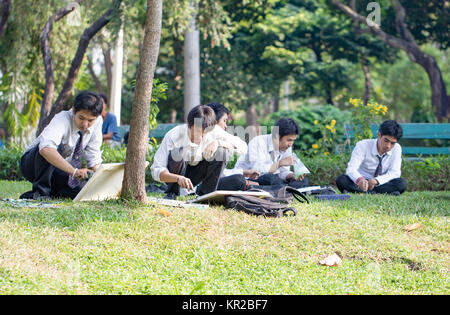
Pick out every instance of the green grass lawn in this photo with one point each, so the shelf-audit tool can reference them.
(124, 248)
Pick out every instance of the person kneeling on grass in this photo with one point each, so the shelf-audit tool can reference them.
(52, 163)
(194, 154)
(232, 179)
(375, 165)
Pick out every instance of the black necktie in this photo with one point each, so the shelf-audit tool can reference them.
(76, 161)
(379, 169)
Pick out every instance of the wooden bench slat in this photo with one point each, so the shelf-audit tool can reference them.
(425, 150)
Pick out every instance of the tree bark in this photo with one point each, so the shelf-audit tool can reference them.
(5, 8)
(66, 91)
(97, 82)
(367, 80)
(192, 96)
(49, 89)
(407, 43)
(133, 185)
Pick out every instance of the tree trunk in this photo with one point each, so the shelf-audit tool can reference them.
(173, 116)
(49, 89)
(252, 122)
(367, 80)
(287, 92)
(97, 82)
(408, 44)
(5, 8)
(66, 92)
(191, 67)
(133, 185)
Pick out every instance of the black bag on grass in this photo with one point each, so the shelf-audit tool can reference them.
(275, 206)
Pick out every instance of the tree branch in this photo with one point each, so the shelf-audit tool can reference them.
(66, 91)
(5, 6)
(49, 90)
(374, 29)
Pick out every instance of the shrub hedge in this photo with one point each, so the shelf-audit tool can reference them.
(428, 174)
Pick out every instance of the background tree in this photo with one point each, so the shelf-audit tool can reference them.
(405, 40)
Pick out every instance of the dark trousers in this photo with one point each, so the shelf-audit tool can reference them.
(232, 182)
(206, 173)
(47, 180)
(344, 183)
(274, 179)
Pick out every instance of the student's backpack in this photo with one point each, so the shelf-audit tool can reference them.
(275, 206)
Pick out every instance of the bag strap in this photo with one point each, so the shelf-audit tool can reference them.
(296, 194)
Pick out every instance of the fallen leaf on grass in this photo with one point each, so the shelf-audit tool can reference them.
(412, 227)
(164, 212)
(331, 261)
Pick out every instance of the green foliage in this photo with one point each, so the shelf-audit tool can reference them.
(321, 127)
(363, 116)
(158, 93)
(10, 157)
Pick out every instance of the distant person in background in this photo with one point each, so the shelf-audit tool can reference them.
(109, 128)
(2, 138)
(375, 165)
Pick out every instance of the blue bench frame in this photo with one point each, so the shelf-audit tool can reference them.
(419, 131)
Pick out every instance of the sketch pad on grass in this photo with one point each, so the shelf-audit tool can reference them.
(219, 195)
(106, 183)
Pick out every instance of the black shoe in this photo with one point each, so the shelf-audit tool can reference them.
(170, 195)
(27, 195)
(35, 195)
(395, 193)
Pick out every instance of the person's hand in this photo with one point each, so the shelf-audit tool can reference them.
(210, 149)
(301, 177)
(372, 183)
(252, 183)
(82, 173)
(290, 177)
(287, 161)
(185, 182)
(363, 184)
(253, 174)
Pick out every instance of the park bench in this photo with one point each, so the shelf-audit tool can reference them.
(158, 133)
(421, 133)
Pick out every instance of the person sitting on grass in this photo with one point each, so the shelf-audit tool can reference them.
(375, 164)
(109, 127)
(271, 155)
(194, 154)
(232, 179)
(52, 163)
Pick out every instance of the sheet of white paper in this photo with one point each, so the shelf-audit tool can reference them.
(106, 183)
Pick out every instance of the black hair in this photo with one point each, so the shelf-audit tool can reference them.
(203, 112)
(286, 126)
(391, 128)
(89, 101)
(104, 97)
(219, 109)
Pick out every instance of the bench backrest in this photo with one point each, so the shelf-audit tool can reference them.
(159, 132)
(419, 131)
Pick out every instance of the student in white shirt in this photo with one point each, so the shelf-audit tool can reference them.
(194, 153)
(232, 179)
(52, 163)
(375, 165)
(271, 155)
